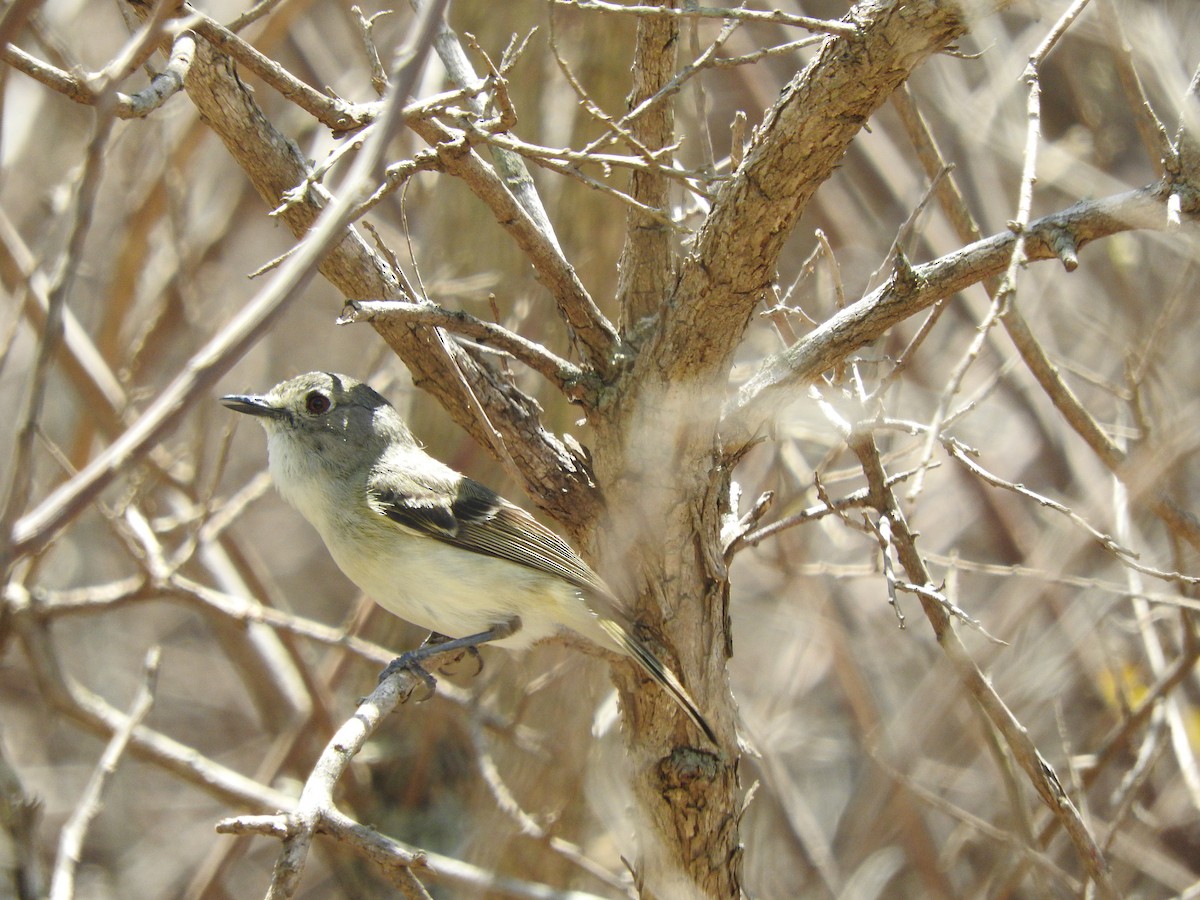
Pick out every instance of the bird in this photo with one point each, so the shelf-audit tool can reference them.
(430, 544)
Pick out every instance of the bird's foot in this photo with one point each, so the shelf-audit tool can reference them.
(448, 668)
(411, 662)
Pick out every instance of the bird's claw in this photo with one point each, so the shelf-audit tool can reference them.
(408, 662)
(448, 667)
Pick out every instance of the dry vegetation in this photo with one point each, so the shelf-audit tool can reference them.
(1018, 442)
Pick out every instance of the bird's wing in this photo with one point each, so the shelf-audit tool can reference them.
(466, 514)
(476, 518)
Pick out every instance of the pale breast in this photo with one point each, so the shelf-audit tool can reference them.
(425, 581)
(452, 591)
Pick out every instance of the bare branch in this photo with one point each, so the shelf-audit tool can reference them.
(334, 113)
(646, 261)
(70, 846)
(128, 106)
(795, 150)
(60, 284)
(223, 350)
(595, 335)
(510, 168)
(315, 808)
(93, 713)
(392, 855)
(739, 14)
(569, 378)
(862, 322)
(379, 79)
(253, 14)
(1039, 772)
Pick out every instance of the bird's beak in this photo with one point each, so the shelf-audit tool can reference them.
(252, 404)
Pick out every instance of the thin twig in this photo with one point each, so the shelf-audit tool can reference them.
(60, 285)
(672, 87)
(939, 596)
(316, 799)
(568, 377)
(97, 89)
(1005, 294)
(209, 363)
(615, 129)
(70, 845)
(365, 25)
(253, 14)
(510, 168)
(1039, 772)
(739, 14)
(338, 115)
(594, 335)
(392, 855)
(867, 319)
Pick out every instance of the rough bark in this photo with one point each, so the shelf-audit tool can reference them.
(656, 459)
(647, 259)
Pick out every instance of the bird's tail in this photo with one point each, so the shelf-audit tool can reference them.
(660, 673)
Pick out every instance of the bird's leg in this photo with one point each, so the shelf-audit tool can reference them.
(447, 668)
(413, 660)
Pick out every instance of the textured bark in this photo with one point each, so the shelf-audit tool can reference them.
(665, 482)
(646, 264)
(801, 141)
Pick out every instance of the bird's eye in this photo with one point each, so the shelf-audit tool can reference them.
(316, 403)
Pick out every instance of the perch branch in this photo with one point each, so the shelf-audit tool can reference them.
(1039, 772)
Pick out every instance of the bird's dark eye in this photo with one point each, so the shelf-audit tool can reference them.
(316, 403)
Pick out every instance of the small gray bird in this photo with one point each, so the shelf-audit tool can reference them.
(425, 542)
